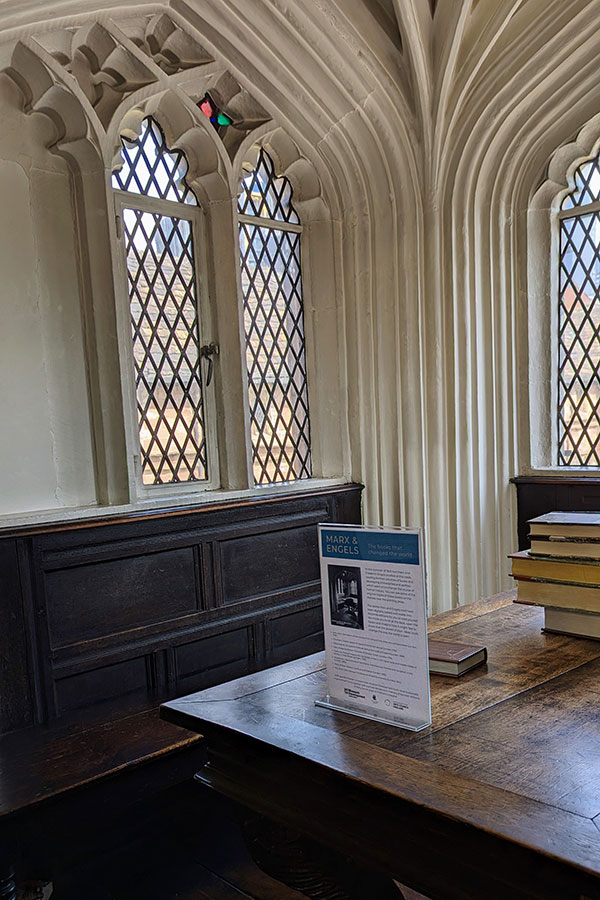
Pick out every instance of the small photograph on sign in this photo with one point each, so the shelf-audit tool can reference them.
(345, 596)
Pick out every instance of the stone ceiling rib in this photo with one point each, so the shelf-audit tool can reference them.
(416, 29)
(384, 12)
(522, 72)
(540, 78)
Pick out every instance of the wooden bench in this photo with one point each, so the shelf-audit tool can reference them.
(66, 780)
(104, 612)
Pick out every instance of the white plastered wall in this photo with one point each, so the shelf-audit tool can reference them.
(45, 441)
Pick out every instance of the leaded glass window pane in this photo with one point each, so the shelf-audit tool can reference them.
(274, 328)
(163, 305)
(264, 195)
(164, 327)
(587, 185)
(579, 342)
(150, 168)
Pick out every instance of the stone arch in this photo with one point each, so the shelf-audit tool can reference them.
(320, 283)
(73, 134)
(354, 168)
(185, 129)
(564, 162)
(314, 196)
(543, 288)
(496, 282)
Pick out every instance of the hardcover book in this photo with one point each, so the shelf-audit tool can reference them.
(573, 548)
(567, 524)
(451, 658)
(566, 595)
(567, 621)
(555, 568)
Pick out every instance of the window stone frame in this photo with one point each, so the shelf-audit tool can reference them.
(543, 249)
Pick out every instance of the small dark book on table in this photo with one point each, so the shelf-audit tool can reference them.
(451, 658)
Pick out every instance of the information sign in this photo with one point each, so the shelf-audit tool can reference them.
(375, 623)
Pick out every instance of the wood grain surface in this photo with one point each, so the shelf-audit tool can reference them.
(504, 784)
(42, 763)
(158, 604)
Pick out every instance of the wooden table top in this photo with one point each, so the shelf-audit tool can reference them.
(501, 792)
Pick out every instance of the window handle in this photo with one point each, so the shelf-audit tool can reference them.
(207, 351)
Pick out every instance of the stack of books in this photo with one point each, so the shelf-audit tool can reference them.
(561, 571)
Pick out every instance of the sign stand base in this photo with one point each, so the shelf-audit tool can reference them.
(373, 716)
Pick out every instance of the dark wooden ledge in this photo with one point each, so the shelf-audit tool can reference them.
(42, 763)
(105, 517)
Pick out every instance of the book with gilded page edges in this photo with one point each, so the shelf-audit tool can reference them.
(566, 524)
(569, 621)
(553, 568)
(451, 658)
(563, 594)
(566, 534)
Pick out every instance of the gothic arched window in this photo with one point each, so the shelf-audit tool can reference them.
(270, 234)
(158, 215)
(579, 321)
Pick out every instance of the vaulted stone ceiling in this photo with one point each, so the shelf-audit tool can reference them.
(459, 55)
(385, 14)
(439, 55)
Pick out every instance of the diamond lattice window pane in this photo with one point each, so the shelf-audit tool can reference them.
(579, 342)
(587, 185)
(164, 325)
(275, 357)
(265, 195)
(150, 168)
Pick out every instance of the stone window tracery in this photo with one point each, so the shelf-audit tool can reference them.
(163, 303)
(578, 413)
(159, 284)
(269, 235)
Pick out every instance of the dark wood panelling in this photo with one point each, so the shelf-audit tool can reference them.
(287, 558)
(104, 683)
(296, 633)
(166, 581)
(212, 659)
(346, 505)
(15, 696)
(537, 495)
(168, 602)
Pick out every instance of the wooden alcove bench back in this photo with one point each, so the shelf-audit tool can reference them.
(104, 619)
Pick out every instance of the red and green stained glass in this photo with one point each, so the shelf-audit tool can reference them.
(217, 117)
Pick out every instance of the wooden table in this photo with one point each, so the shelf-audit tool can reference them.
(499, 798)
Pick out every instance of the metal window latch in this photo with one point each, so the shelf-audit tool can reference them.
(207, 351)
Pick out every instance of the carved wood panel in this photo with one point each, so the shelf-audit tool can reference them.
(162, 604)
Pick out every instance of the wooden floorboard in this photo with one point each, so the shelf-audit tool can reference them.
(193, 850)
(228, 875)
(186, 881)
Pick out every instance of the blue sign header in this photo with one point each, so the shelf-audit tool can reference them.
(346, 544)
